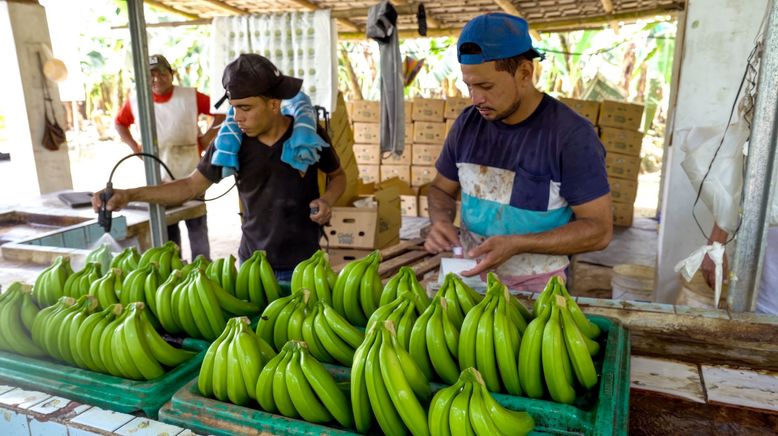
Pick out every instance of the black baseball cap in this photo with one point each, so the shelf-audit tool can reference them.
(252, 75)
(158, 61)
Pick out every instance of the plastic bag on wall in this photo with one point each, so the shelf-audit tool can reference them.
(723, 185)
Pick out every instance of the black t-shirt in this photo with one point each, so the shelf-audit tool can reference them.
(275, 198)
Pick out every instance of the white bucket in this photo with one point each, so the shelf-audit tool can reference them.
(633, 282)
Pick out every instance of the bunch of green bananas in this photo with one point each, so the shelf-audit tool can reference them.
(197, 306)
(107, 287)
(282, 320)
(555, 347)
(49, 285)
(403, 312)
(17, 314)
(223, 272)
(256, 281)
(467, 407)
(357, 289)
(101, 255)
(460, 298)
(434, 342)
(79, 282)
(387, 383)
(167, 257)
(295, 384)
(329, 335)
(232, 363)
(490, 338)
(316, 275)
(127, 260)
(55, 326)
(404, 281)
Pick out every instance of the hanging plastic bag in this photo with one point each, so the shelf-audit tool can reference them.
(722, 187)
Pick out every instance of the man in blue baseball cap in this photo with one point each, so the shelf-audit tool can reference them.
(531, 171)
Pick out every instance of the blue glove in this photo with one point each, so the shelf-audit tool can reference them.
(303, 147)
(227, 145)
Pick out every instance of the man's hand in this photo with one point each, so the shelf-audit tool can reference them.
(709, 270)
(118, 200)
(493, 253)
(443, 236)
(324, 214)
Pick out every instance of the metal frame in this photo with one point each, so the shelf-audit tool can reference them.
(758, 178)
(148, 132)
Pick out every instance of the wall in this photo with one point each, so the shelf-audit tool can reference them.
(23, 33)
(718, 37)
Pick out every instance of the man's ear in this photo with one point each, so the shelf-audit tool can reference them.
(525, 70)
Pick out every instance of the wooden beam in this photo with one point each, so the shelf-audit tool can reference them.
(402, 9)
(607, 6)
(509, 8)
(432, 22)
(165, 8)
(352, 77)
(341, 19)
(197, 22)
(224, 7)
(404, 34)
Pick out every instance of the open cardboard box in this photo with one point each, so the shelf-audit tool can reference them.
(366, 228)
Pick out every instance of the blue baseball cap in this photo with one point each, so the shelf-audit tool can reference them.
(498, 35)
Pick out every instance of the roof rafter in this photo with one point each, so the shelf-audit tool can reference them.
(342, 21)
(220, 5)
(171, 10)
(509, 8)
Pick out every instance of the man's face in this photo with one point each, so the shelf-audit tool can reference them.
(496, 94)
(161, 80)
(254, 115)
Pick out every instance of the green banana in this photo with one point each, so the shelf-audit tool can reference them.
(267, 321)
(322, 383)
(303, 397)
(270, 284)
(479, 414)
(249, 355)
(576, 347)
(206, 377)
(220, 370)
(360, 403)
(417, 345)
(137, 347)
(413, 415)
(506, 350)
(264, 389)
(350, 334)
(331, 342)
(237, 390)
(468, 334)
(280, 392)
(440, 407)
(506, 421)
(442, 360)
(386, 414)
(530, 369)
(459, 413)
(553, 355)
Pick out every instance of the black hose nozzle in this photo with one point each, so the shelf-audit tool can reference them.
(104, 216)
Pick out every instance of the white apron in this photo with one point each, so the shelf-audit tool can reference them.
(176, 131)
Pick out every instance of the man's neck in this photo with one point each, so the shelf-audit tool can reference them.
(275, 133)
(528, 106)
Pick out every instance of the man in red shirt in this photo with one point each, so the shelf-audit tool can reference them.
(180, 143)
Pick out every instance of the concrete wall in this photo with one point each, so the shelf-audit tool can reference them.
(24, 32)
(718, 37)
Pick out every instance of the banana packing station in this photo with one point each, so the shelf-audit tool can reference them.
(109, 326)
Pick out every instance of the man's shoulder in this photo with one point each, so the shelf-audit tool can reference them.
(562, 115)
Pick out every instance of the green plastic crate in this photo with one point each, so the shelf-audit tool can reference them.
(603, 414)
(103, 390)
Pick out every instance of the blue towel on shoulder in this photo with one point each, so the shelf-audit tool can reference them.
(301, 150)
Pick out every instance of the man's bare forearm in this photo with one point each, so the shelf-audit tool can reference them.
(166, 194)
(576, 237)
(126, 136)
(442, 206)
(335, 187)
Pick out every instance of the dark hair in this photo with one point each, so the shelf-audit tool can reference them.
(510, 64)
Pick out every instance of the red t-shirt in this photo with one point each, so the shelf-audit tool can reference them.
(125, 117)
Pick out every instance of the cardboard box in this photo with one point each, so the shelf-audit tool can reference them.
(620, 115)
(621, 140)
(370, 173)
(367, 133)
(409, 205)
(623, 190)
(365, 111)
(349, 110)
(455, 106)
(429, 133)
(424, 206)
(408, 110)
(408, 133)
(366, 227)
(586, 108)
(402, 172)
(622, 214)
(421, 175)
(425, 154)
(622, 166)
(403, 159)
(428, 109)
(367, 154)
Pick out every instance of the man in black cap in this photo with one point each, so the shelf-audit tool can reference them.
(530, 170)
(283, 210)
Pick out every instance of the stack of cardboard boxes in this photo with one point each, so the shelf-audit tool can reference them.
(427, 122)
(618, 125)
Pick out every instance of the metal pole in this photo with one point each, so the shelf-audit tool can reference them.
(148, 132)
(757, 182)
